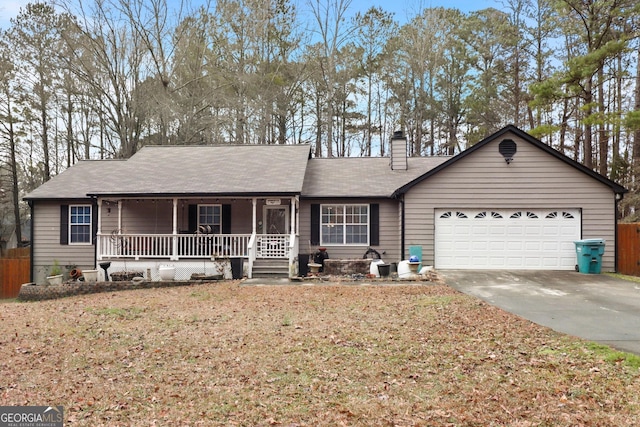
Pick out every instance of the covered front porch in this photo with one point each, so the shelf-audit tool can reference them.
(191, 233)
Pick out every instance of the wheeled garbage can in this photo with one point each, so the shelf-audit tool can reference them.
(589, 253)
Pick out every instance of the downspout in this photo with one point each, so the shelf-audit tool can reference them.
(402, 227)
(31, 230)
(98, 227)
(618, 198)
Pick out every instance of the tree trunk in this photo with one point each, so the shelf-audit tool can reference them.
(14, 177)
(603, 135)
(45, 142)
(369, 124)
(318, 125)
(588, 132)
(70, 145)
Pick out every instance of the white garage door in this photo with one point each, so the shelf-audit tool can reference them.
(513, 239)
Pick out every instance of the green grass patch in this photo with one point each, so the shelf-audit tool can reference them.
(439, 300)
(123, 313)
(612, 355)
(286, 320)
(624, 277)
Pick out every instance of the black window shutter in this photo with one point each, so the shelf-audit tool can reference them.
(64, 224)
(193, 218)
(374, 224)
(315, 224)
(226, 219)
(94, 223)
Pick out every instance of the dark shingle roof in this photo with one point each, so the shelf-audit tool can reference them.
(75, 182)
(176, 170)
(362, 176)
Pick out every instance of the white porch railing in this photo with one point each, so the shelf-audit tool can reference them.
(171, 246)
(189, 246)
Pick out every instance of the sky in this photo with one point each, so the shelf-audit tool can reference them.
(401, 8)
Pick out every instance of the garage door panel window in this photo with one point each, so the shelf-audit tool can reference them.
(456, 214)
(488, 215)
(566, 215)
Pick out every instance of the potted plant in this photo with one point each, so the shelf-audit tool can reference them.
(55, 274)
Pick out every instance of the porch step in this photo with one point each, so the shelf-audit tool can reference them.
(271, 268)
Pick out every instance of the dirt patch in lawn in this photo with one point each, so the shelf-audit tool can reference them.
(328, 354)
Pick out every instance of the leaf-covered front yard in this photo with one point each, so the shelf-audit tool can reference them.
(225, 354)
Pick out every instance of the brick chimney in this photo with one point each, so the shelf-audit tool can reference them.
(398, 151)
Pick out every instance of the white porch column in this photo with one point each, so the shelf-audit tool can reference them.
(297, 199)
(254, 202)
(99, 225)
(99, 231)
(293, 215)
(174, 251)
(119, 216)
(175, 216)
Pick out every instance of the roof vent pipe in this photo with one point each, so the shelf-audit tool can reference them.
(398, 151)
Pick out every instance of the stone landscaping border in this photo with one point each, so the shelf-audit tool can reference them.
(33, 292)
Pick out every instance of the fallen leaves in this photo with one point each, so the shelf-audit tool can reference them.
(223, 354)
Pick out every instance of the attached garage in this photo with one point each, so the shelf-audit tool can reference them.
(516, 238)
(509, 202)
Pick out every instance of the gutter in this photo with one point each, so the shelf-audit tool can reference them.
(402, 227)
(243, 194)
(31, 246)
(94, 236)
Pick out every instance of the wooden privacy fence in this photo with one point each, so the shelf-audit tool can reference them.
(629, 249)
(14, 272)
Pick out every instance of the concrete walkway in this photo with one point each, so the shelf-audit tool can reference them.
(596, 307)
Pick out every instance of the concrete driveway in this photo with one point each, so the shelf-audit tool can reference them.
(596, 307)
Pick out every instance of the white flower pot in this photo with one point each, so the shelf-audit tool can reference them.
(55, 280)
(90, 276)
(167, 272)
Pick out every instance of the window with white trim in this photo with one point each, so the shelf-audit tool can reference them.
(79, 224)
(210, 218)
(344, 224)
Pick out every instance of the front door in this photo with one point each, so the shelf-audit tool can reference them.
(276, 220)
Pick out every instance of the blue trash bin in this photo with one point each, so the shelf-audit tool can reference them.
(589, 255)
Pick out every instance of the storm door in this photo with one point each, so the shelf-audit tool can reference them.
(276, 220)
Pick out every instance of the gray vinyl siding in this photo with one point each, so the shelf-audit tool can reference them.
(389, 230)
(47, 247)
(534, 179)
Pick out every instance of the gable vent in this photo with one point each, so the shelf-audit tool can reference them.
(507, 148)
